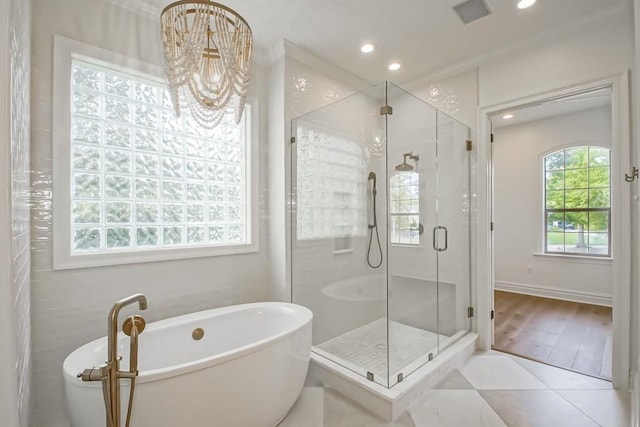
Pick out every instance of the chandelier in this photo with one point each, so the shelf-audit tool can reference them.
(207, 51)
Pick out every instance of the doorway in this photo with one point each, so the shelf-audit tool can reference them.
(592, 251)
(552, 227)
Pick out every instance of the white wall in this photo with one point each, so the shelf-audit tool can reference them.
(8, 374)
(15, 282)
(20, 200)
(70, 307)
(602, 48)
(518, 151)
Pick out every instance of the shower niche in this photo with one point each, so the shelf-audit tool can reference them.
(380, 231)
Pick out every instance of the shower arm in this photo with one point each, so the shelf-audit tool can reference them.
(410, 155)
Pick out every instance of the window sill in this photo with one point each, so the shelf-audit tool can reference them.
(575, 258)
(103, 259)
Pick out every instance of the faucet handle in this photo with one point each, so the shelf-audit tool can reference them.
(130, 322)
(93, 374)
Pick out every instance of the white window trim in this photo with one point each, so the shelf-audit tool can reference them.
(64, 50)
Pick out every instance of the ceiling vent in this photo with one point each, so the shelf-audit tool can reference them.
(472, 10)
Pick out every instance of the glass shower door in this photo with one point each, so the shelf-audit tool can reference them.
(452, 234)
(412, 274)
(380, 231)
(338, 238)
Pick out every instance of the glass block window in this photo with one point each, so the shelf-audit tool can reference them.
(578, 201)
(404, 209)
(141, 178)
(331, 176)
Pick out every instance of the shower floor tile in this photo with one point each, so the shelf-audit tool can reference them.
(365, 349)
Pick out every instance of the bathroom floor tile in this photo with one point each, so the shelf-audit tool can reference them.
(561, 379)
(490, 372)
(535, 408)
(455, 381)
(609, 408)
(455, 408)
(308, 410)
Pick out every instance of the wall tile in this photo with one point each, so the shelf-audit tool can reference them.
(20, 64)
(70, 307)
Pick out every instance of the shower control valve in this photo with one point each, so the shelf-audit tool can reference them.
(93, 374)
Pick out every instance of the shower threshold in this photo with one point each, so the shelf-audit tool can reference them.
(387, 402)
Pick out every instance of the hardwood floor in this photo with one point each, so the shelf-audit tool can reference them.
(566, 334)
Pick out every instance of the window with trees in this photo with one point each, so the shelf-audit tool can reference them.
(578, 201)
(404, 209)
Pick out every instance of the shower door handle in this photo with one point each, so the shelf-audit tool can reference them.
(435, 240)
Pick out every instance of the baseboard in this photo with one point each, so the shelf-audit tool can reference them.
(555, 293)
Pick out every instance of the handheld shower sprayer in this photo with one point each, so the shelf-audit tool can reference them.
(372, 177)
(373, 221)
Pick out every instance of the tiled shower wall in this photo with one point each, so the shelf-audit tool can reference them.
(20, 66)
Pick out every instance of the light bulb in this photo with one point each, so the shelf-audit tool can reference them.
(367, 48)
(523, 4)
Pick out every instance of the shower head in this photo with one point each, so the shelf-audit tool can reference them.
(406, 167)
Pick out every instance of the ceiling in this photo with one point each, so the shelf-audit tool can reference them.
(425, 36)
(569, 104)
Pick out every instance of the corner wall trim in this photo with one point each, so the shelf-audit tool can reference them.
(635, 393)
(555, 293)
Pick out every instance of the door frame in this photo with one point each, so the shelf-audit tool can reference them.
(620, 216)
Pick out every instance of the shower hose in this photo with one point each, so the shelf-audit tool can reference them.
(371, 230)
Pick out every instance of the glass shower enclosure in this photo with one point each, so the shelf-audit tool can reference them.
(380, 231)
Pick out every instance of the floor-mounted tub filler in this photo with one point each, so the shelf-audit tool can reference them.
(241, 366)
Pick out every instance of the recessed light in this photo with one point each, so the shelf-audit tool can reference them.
(394, 66)
(523, 4)
(507, 116)
(367, 48)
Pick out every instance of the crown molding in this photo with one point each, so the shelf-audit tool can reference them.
(142, 7)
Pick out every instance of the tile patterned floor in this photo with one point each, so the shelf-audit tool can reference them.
(365, 348)
(490, 390)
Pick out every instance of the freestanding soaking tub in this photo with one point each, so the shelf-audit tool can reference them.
(247, 370)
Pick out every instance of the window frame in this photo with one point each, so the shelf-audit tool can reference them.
(587, 210)
(64, 51)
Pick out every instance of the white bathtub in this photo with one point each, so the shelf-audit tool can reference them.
(348, 304)
(247, 370)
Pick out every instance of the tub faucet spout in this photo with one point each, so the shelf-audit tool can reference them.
(112, 380)
(112, 329)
